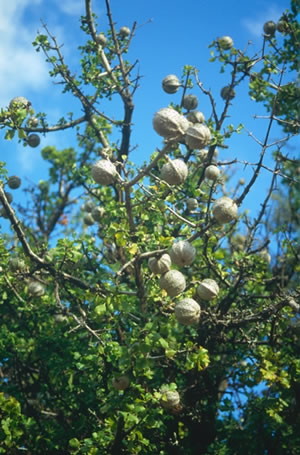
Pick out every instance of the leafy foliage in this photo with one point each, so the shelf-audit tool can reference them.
(103, 315)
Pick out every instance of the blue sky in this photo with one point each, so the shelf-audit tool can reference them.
(170, 34)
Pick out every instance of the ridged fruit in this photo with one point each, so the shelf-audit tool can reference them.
(104, 172)
(14, 182)
(171, 84)
(212, 172)
(174, 172)
(36, 289)
(187, 311)
(168, 123)
(33, 140)
(197, 136)
(208, 289)
(225, 210)
(225, 42)
(190, 102)
(182, 253)
(173, 282)
(160, 265)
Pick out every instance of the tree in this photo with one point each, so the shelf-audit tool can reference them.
(104, 273)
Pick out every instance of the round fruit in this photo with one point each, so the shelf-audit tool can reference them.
(170, 399)
(19, 102)
(239, 242)
(33, 122)
(88, 219)
(242, 181)
(208, 289)
(270, 28)
(124, 32)
(101, 39)
(182, 253)
(60, 318)
(161, 265)
(33, 140)
(174, 172)
(121, 383)
(225, 210)
(16, 264)
(282, 26)
(197, 136)
(88, 206)
(265, 255)
(225, 42)
(97, 213)
(187, 311)
(227, 93)
(191, 204)
(173, 282)
(171, 84)
(202, 154)
(195, 117)
(36, 289)
(168, 123)
(104, 172)
(190, 102)
(212, 172)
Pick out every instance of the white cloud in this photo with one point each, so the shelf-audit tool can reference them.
(22, 69)
(255, 25)
(71, 7)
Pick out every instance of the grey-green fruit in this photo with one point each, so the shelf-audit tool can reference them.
(171, 84)
(187, 311)
(121, 383)
(225, 210)
(191, 204)
(104, 172)
(97, 213)
(208, 289)
(225, 42)
(33, 140)
(282, 26)
(173, 282)
(203, 153)
(227, 93)
(270, 28)
(182, 253)
(88, 206)
(101, 39)
(33, 122)
(238, 242)
(160, 265)
(170, 399)
(60, 318)
(265, 255)
(36, 289)
(16, 265)
(88, 219)
(174, 172)
(195, 117)
(212, 172)
(197, 136)
(124, 32)
(168, 123)
(190, 102)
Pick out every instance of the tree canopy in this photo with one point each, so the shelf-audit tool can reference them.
(141, 309)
